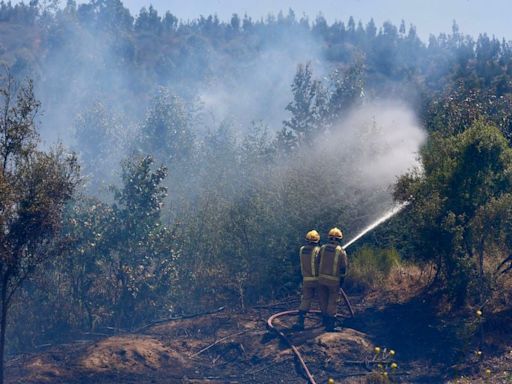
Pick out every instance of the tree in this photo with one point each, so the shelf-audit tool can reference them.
(137, 243)
(347, 90)
(148, 21)
(166, 133)
(464, 179)
(351, 26)
(100, 142)
(309, 105)
(492, 233)
(86, 226)
(371, 29)
(235, 23)
(34, 187)
(170, 22)
(106, 14)
(459, 106)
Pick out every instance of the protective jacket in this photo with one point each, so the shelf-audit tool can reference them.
(309, 264)
(333, 264)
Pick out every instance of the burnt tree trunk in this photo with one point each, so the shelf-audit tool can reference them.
(3, 324)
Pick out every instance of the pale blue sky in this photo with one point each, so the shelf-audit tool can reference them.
(429, 16)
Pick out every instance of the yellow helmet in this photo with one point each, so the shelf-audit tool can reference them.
(313, 236)
(336, 233)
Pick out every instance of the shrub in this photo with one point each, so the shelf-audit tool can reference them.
(370, 267)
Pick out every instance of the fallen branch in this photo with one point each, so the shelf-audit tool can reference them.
(43, 346)
(347, 302)
(217, 342)
(174, 318)
(99, 334)
(366, 362)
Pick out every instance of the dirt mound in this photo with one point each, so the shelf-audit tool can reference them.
(224, 347)
(129, 353)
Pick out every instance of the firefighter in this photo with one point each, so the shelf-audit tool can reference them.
(331, 274)
(309, 268)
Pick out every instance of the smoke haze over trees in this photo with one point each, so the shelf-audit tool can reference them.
(208, 149)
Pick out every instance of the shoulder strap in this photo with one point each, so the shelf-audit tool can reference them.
(301, 252)
(314, 255)
(336, 262)
(321, 255)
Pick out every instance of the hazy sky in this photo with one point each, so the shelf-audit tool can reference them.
(429, 16)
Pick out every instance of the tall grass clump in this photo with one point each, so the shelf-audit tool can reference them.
(370, 267)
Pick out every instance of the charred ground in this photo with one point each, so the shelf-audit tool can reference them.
(236, 347)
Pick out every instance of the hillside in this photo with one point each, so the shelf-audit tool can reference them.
(227, 346)
(157, 168)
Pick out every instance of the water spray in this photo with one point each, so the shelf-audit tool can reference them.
(388, 215)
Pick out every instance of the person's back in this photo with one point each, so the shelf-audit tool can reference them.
(332, 269)
(309, 263)
(333, 264)
(308, 255)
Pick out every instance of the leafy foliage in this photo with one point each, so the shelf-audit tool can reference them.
(34, 187)
(463, 177)
(166, 131)
(308, 108)
(207, 213)
(369, 267)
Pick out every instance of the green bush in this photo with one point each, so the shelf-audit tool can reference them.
(370, 267)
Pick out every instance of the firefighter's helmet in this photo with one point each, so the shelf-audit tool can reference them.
(335, 233)
(313, 236)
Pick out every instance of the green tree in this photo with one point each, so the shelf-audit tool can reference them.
(84, 267)
(139, 246)
(166, 133)
(461, 175)
(309, 106)
(492, 234)
(148, 21)
(100, 142)
(459, 106)
(34, 187)
(347, 90)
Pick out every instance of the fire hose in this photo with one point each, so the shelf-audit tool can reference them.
(295, 350)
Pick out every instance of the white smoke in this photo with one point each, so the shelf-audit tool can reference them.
(257, 86)
(378, 142)
(352, 167)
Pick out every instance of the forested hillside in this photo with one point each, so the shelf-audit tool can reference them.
(207, 149)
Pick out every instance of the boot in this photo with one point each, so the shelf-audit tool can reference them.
(331, 325)
(299, 326)
(338, 325)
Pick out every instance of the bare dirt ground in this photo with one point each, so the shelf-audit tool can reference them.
(235, 347)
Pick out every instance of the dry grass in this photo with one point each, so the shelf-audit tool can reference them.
(383, 272)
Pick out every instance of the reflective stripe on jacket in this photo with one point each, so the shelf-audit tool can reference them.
(333, 260)
(309, 262)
